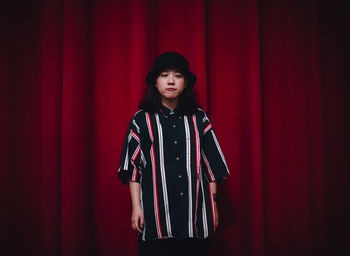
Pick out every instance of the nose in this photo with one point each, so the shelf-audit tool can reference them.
(171, 79)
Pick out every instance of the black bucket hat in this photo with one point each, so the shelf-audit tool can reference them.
(170, 60)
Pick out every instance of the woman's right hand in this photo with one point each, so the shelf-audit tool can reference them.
(137, 219)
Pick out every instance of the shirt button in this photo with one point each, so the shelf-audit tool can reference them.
(179, 176)
(180, 117)
(175, 141)
(182, 193)
(177, 158)
(174, 125)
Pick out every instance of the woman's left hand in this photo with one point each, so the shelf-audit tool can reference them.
(216, 215)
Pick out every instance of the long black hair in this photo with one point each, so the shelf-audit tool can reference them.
(187, 104)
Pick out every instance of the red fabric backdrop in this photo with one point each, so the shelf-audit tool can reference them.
(271, 75)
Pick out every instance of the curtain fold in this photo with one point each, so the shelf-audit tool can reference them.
(272, 76)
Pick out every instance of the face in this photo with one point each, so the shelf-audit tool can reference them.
(170, 84)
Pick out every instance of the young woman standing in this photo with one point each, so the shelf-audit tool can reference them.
(172, 162)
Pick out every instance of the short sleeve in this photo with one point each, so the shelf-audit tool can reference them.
(214, 165)
(130, 167)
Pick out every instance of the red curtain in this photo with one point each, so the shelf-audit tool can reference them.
(271, 75)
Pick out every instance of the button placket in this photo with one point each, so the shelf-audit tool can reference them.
(175, 141)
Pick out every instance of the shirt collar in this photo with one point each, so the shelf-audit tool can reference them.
(167, 111)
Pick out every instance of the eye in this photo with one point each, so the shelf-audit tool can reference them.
(179, 75)
(164, 75)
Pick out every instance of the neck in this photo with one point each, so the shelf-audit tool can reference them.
(171, 104)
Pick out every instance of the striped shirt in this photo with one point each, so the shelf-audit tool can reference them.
(173, 157)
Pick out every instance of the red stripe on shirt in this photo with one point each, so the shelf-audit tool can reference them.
(136, 153)
(210, 172)
(156, 207)
(197, 166)
(207, 128)
(135, 136)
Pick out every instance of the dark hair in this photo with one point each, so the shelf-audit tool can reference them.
(187, 104)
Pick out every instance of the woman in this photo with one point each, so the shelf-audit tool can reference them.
(172, 162)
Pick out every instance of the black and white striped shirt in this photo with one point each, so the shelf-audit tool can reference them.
(173, 157)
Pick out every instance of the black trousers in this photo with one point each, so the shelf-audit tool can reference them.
(172, 246)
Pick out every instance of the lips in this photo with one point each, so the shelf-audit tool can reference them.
(170, 89)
